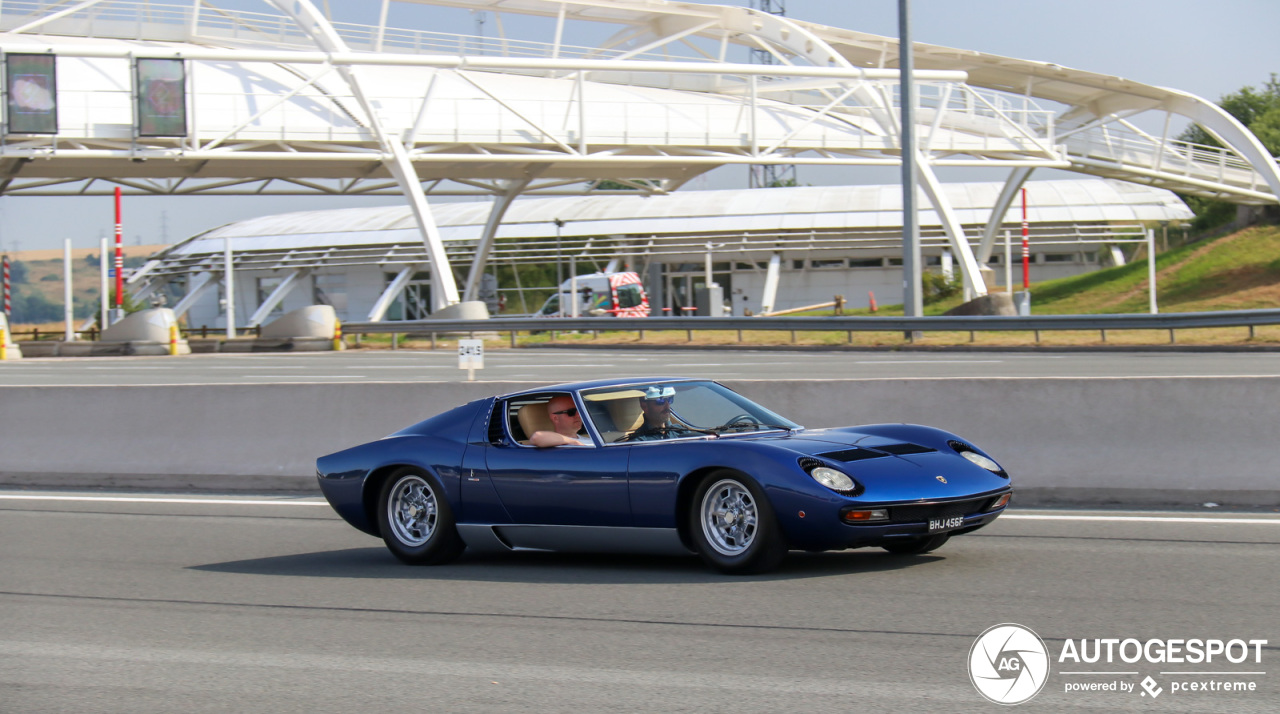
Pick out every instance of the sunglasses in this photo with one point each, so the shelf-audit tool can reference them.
(661, 401)
(571, 412)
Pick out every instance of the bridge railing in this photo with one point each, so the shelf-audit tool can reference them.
(1177, 158)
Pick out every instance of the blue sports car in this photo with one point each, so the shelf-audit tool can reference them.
(658, 465)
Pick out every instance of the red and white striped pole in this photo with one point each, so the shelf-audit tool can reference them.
(8, 310)
(119, 256)
(1027, 248)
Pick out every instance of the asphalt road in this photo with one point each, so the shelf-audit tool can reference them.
(275, 605)
(563, 365)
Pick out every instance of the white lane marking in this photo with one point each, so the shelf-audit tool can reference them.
(151, 499)
(129, 367)
(930, 361)
(235, 502)
(698, 364)
(1146, 519)
(302, 376)
(399, 366)
(259, 366)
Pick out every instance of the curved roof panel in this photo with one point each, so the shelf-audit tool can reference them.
(690, 212)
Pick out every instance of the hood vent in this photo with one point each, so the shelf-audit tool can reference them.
(847, 455)
(904, 449)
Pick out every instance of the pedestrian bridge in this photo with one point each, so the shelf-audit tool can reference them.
(288, 100)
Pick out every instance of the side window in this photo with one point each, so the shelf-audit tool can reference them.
(523, 415)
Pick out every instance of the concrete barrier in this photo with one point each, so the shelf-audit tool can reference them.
(145, 332)
(1145, 441)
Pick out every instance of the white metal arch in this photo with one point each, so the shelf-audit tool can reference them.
(313, 22)
(291, 102)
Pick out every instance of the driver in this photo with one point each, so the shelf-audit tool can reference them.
(566, 420)
(655, 404)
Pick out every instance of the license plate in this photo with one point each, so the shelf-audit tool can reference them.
(937, 525)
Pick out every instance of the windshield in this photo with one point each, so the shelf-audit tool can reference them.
(629, 296)
(658, 410)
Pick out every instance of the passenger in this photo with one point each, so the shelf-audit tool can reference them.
(566, 421)
(655, 404)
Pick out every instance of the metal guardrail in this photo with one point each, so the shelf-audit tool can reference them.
(985, 323)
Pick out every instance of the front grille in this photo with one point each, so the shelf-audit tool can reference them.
(903, 449)
(930, 511)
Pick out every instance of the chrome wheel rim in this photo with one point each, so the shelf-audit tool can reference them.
(413, 510)
(730, 518)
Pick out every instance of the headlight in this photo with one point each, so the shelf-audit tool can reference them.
(832, 479)
(982, 461)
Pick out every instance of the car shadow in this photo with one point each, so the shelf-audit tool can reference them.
(559, 568)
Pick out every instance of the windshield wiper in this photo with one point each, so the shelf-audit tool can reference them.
(744, 425)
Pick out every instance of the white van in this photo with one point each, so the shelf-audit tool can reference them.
(599, 295)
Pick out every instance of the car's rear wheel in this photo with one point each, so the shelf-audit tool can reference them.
(916, 546)
(416, 521)
(734, 526)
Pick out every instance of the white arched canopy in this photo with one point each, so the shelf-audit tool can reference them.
(287, 101)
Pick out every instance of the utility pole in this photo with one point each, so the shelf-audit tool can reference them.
(912, 294)
(770, 175)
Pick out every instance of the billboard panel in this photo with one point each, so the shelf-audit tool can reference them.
(32, 94)
(162, 97)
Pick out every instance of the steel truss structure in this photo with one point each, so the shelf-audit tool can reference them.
(289, 101)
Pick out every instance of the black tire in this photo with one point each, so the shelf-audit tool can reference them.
(917, 546)
(416, 521)
(733, 525)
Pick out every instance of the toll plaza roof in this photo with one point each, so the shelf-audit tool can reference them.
(719, 212)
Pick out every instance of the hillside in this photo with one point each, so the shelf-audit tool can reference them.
(44, 277)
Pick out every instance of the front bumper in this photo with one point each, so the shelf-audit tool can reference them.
(908, 520)
(867, 535)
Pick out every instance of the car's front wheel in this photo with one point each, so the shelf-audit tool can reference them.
(916, 546)
(416, 521)
(733, 525)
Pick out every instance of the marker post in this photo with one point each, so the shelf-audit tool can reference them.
(471, 357)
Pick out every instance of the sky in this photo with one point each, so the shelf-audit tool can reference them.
(1208, 49)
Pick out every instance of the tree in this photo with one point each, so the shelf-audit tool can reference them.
(936, 287)
(130, 304)
(1259, 110)
(17, 272)
(34, 308)
(1249, 106)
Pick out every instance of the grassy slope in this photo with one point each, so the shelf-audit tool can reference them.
(1239, 271)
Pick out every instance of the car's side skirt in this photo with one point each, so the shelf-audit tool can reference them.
(579, 539)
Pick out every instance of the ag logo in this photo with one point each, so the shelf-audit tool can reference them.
(1008, 664)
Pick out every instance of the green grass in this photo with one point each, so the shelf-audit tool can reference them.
(1236, 271)
(1239, 271)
